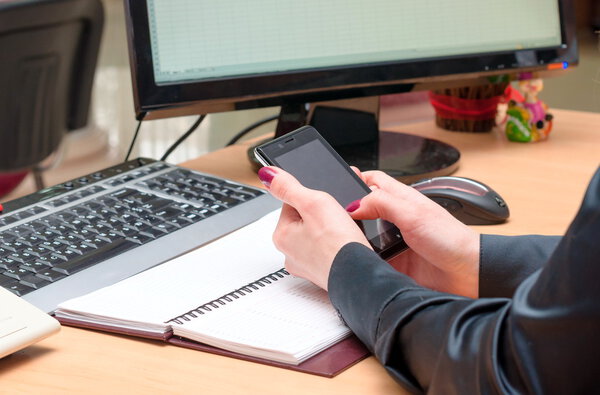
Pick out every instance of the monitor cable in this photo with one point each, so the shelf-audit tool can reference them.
(137, 130)
(183, 137)
(249, 128)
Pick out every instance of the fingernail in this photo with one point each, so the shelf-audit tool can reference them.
(266, 175)
(353, 206)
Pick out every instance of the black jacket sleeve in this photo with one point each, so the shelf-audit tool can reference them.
(543, 340)
(505, 261)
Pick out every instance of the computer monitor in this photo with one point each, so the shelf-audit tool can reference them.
(202, 56)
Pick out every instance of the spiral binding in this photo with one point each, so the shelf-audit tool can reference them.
(230, 297)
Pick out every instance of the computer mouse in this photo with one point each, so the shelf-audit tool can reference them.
(471, 202)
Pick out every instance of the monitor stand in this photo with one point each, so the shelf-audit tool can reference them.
(351, 127)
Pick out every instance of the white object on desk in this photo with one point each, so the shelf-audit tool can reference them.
(22, 324)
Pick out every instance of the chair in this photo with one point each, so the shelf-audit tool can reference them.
(48, 54)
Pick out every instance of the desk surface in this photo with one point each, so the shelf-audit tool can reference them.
(543, 184)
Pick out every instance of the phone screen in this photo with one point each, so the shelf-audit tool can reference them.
(309, 163)
(309, 158)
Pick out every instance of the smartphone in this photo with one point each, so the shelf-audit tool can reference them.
(306, 155)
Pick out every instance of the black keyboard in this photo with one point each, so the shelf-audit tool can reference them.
(52, 235)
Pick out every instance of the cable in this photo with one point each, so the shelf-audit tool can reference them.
(183, 137)
(248, 129)
(137, 129)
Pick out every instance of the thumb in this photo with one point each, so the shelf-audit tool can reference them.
(377, 204)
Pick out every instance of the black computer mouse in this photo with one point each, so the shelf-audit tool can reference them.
(471, 202)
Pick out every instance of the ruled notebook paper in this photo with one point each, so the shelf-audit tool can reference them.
(286, 319)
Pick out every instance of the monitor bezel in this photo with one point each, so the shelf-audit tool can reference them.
(152, 100)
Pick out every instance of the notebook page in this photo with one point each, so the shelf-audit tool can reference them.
(177, 286)
(288, 321)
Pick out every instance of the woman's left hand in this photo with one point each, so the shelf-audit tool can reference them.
(312, 228)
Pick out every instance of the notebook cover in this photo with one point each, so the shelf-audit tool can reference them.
(328, 363)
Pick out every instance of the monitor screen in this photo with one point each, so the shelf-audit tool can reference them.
(206, 56)
(241, 38)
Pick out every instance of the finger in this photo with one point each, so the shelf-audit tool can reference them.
(282, 185)
(288, 189)
(357, 171)
(403, 209)
(406, 193)
(362, 177)
(288, 220)
(379, 179)
(377, 204)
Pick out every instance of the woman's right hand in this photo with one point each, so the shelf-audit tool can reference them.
(443, 254)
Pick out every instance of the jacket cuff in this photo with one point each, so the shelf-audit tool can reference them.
(354, 266)
(505, 261)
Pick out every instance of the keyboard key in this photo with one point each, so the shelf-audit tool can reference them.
(4, 252)
(51, 245)
(128, 231)
(22, 256)
(34, 267)
(8, 219)
(34, 281)
(19, 289)
(66, 216)
(32, 239)
(68, 239)
(95, 189)
(51, 275)
(5, 281)
(14, 245)
(167, 213)
(82, 247)
(45, 233)
(19, 231)
(152, 232)
(62, 228)
(179, 222)
(228, 201)
(66, 253)
(8, 263)
(192, 217)
(166, 228)
(16, 273)
(36, 210)
(98, 242)
(5, 237)
(37, 250)
(84, 261)
(123, 194)
(49, 260)
(140, 238)
(155, 205)
(149, 220)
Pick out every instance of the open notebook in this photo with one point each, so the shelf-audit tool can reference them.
(231, 296)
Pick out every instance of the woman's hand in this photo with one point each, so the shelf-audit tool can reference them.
(443, 254)
(312, 227)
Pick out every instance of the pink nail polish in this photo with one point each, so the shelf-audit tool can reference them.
(353, 206)
(266, 175)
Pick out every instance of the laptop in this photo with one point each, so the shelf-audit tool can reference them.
(22, 324)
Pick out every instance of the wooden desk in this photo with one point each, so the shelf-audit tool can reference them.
(543, 184)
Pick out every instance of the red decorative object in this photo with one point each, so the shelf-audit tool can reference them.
(9, 181)
(469, 108)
